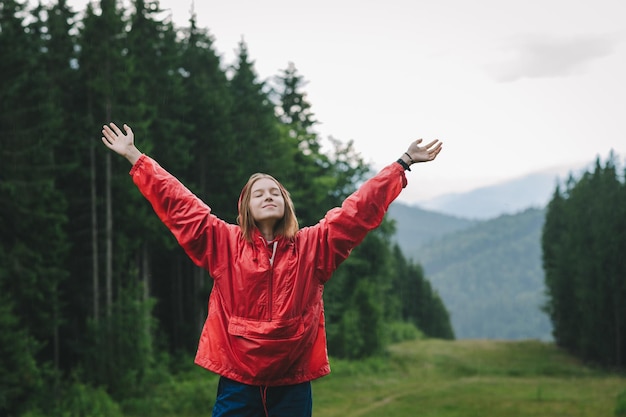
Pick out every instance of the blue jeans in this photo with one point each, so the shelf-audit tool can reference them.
(235, 399)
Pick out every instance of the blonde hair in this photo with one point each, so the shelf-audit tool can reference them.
(287, 226)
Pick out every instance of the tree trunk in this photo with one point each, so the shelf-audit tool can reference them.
(109, 225)
(95, 278)
(198, 275)
(145, 278)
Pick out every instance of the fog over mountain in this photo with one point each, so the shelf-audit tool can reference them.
(534, 190)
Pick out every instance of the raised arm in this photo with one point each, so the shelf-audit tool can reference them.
(190, 220)
(345, 227)
(121, 143)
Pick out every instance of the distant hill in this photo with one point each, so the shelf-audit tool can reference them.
(488, 273)
(533, 190)
(416, 226)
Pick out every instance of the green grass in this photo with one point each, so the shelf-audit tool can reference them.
(467, 378)
(426, 378)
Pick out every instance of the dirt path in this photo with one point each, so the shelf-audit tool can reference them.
(380, 403)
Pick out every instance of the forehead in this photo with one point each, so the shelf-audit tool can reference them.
(263, 184)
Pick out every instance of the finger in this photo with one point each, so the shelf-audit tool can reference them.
(109, 131)
(417, 142)
(108, 134)
(431, 144)
(106, 142)
(129, 131)
(437, 148)
(116, 129)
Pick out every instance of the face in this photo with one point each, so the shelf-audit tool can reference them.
(266, 201)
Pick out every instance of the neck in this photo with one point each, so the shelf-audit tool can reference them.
(267, 231)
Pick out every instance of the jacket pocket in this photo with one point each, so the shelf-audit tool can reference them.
(268, 350)
(281, 329)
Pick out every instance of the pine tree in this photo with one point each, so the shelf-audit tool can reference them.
(357, 299)
(156, 110)
(64, 61)
(59, 60)
(559, 267)
(104, 78)
(19, 372)
(309, 178)
(295, 111)
(108, 70)
(419, 302)
(33, 244)
(583, 242)
(210, 104)
(257, 141)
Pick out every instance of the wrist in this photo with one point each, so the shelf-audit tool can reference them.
(133, 155)
(403, 163)
(407, 159)
(408, 156)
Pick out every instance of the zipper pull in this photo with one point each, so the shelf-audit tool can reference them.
(275, 243)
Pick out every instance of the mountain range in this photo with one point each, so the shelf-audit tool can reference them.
(481, 251)
(509, 197)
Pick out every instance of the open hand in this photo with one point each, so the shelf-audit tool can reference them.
(120, 142)
(424, 153)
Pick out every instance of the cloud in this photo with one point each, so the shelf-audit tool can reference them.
(534, 56)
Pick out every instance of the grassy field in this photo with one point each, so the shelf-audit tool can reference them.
(467, 378)
(426, 378)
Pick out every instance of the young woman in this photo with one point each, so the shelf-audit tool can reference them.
(264, 333)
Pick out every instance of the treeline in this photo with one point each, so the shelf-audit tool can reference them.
(584, 259)
(94, 291)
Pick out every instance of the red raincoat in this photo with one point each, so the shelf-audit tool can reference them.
(265, 324)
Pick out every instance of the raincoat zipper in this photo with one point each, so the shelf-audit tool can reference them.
(271, 278)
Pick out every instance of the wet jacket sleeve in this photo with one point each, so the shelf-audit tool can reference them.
(185, 215)
(343, 228)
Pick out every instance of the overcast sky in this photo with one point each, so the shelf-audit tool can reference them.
(510, 87)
